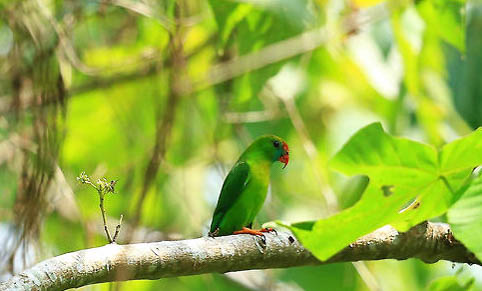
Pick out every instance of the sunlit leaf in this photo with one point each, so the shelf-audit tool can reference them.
(326, 237)
(387, 160)
(354, 189)
(462, 153)
(400, 170)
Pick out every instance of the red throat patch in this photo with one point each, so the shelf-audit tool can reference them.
(285, 158)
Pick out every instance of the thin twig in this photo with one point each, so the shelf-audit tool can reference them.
(102, 209)
(117, 228)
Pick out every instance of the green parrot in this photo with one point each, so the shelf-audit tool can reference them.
(244, 189)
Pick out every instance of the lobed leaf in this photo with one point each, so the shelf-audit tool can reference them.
(409, 182)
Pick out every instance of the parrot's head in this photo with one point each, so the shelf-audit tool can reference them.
(270, 147)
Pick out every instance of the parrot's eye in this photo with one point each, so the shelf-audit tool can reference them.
(276, 144)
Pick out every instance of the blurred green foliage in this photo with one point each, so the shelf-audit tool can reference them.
(414, 66)
(450, 283)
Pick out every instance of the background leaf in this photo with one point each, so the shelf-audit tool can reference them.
(464, 80)
(450, 283)
(465, 217)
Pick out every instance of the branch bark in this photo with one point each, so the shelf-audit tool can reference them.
(429, 242)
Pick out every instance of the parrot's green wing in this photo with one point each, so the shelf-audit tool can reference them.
(233, 186)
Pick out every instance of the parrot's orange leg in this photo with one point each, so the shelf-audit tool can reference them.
(246, 230)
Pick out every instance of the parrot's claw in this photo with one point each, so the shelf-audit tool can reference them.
(269, 229)
(263, 239)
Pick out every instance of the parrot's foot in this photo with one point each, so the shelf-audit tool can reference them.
(261, 232)
(246, 230)
(214, 233)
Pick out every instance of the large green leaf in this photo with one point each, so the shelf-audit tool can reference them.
(387, 160)
(465, 217)
(326, 237)
(400, 171)
(462, 153)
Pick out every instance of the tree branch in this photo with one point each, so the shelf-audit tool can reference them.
(429, 242)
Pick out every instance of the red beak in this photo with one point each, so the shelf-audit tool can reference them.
(285, 157)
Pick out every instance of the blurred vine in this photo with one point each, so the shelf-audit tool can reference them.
(34, 77)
